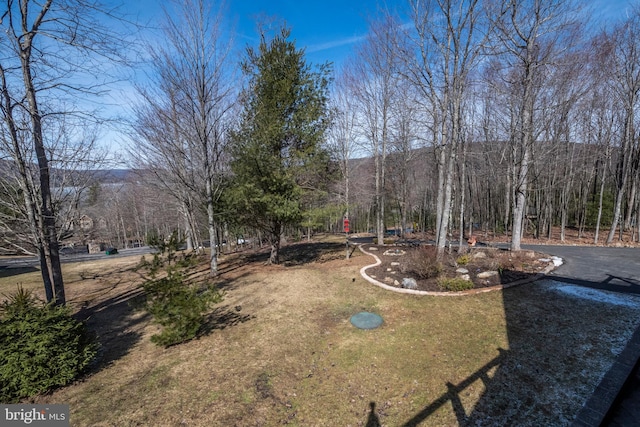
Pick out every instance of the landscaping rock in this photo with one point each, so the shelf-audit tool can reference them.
(395, 264)
(487, 274)
(409, 283)
(394, 252)
(479, 254)
(466, 277)
(462, 270)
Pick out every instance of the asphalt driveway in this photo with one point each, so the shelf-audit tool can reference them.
(613, 269)
(616, 400)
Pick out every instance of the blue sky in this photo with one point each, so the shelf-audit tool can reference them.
(328, 30)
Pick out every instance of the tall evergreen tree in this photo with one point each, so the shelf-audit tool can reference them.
(277, 147)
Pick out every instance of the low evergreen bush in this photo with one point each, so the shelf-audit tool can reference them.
(41, 347)
(178, 307)
(175, 303)
(463, 259)
(455, 284)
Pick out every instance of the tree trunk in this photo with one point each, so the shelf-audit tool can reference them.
(49, 232)
(276, 233)
(631, 202)
(623, 174)
(124, 232)
(213, 238)
(520, 198)
(462, 198)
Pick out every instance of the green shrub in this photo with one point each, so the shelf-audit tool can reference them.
(463, 259)
(41, 347)
(178, 307)
(188, 260)
(454, 284)
(175, 304)
(422, 263)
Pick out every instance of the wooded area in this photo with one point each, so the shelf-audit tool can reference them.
(452, 117)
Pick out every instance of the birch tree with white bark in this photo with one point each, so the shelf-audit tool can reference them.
(445, 43)
(530, 33)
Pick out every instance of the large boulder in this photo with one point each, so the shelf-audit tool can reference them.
(487, 274)
(409, 283)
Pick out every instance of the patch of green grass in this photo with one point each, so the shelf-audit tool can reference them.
(159, 377)
(247, 397)
(214, 396)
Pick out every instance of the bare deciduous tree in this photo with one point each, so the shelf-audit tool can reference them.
(342, 135)
(445, 44)
(625, 62)
(530, 33)
(50, 54)
(183, 120)
(374, 79)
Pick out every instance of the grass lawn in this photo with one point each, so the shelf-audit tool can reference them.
(280, 350)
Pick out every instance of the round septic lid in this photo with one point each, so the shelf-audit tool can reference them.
(366, 320)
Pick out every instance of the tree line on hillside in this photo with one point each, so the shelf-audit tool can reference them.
(525, 117)
(449, 116)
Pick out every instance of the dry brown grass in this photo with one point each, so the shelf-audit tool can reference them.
(281, 350)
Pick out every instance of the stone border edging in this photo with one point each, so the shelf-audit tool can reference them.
(363, 273)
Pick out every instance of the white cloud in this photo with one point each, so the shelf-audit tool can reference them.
(335, 43)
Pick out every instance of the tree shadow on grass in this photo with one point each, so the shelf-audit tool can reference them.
(238, 261)
(293, 254)
(116, 324)
(118, 321)
(305, 253)
(16, 271)
(223, 317)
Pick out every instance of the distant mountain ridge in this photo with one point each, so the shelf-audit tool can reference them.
(110, 176)
(107, 176)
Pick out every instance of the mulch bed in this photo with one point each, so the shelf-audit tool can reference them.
(399, 262)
